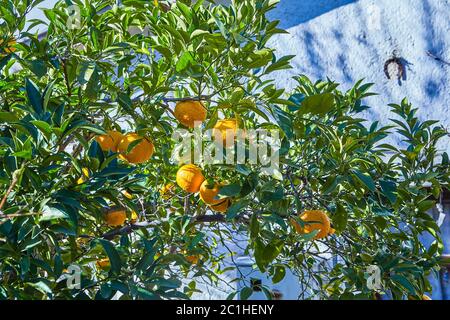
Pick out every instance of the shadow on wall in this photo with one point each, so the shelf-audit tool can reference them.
(295, 12)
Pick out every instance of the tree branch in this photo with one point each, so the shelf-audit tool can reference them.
(139, 225)
(15, 179)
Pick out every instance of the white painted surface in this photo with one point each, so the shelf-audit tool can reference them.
(342, 40)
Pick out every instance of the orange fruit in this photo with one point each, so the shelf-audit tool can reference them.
(190, 178)
(222, 206)
(316, 220)
(140, 153)
(103, 263)
(227, 128)
(188, 113)
(115, 217)
(109, 141)
(208, 193)
(425, 297)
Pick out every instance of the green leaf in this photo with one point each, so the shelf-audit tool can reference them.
(41, 286)
(34, 96)
(8, 117)
(53, 213)
(281, 64)
(93, 85)
(85, 71)
(4, 60)
(279, 274)
(284, 120)
(166, 283)
(146, 295)
(426, 205)
(231, 296)
(43, 126)
(254, 226)
(330, 184)
(245, 293)
(230, 190)
(272, 250)
(297, 100)
(185, 60)
(404, 282)
(389, 190)
(113, 255)
(234, 209)
(147, 260)
(198, 32)
(38, 67)
(340, 218)
(365, 179)
(318, 104)
(258, 59)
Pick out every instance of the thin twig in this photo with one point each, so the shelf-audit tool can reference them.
(14, 181)
(140, 225)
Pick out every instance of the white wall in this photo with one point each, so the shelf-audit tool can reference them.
(341, 39)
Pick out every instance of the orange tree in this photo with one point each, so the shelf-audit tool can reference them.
(88, 179)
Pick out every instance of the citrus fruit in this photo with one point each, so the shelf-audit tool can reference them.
(190, 178)
(139, 153)
(115, 217)
(314, 220)
(109, 141)
(189, 113)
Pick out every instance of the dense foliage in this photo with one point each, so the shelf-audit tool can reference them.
(124, 67)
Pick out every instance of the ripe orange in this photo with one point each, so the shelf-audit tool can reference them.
(190, 112)
(190, 178)
(316, 220)
(115, 217)
(227, 128)
(208, 193)
(109, 141)
(140, 153)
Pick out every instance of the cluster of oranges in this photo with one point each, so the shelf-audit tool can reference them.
(190, 178)
(115, 141)
(136, 149)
